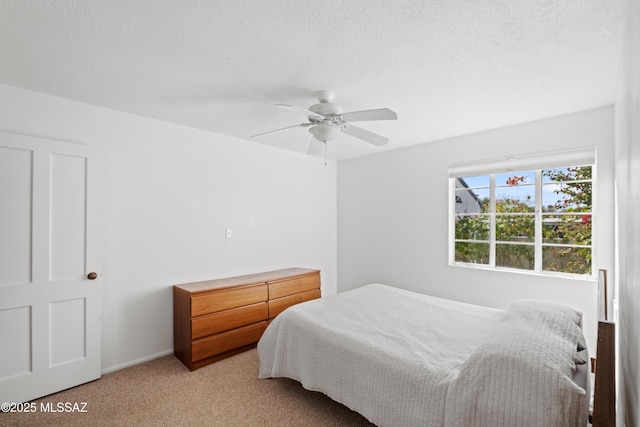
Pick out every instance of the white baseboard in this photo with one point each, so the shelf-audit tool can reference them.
(136, 361)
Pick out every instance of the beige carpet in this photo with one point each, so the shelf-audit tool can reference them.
(163, 392)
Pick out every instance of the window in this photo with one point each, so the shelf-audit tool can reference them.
(534, 220)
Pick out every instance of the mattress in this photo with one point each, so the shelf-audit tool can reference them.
(405, 359)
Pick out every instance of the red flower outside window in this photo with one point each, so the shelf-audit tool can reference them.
(515, 180)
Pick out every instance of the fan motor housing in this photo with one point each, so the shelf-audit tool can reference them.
(326, 109)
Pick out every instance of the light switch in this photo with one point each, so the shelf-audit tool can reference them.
(228, 233)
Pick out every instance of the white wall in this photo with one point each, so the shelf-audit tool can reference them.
(169, 194)
(393, 215)
(628, 206)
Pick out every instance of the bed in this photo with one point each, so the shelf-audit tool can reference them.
(405, 359)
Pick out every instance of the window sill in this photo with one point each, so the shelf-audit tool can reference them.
(568, 276)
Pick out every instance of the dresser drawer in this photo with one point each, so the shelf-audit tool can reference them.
(288, 287)
(224, 300)
(225, 341)
(228, 319)
(276, 306)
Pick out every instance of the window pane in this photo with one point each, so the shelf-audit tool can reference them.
(515, 228)
(475, 181)
(567, 189)
(570, 173)
(472, 227)
(566, 197)
(515, 178)
(567, 229)
(515, 256)
(477, 253)
(472, 201)
(566, 260)
(516, 199)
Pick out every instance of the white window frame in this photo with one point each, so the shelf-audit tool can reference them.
(530, 162)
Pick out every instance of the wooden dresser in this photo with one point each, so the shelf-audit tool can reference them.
(219, 318)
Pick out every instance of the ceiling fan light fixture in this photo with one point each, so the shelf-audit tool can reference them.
(325, 132)
(327, 119)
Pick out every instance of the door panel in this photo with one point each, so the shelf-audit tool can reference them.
(17, 338)
(67, 217)
(68, 331)
(15, 217)
(49, 310)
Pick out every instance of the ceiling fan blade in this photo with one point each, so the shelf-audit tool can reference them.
(309, 113)
(315, 147)
(366, 115)
(278, 130)
(365, 135)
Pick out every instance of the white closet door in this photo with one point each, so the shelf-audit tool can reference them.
(49, 266)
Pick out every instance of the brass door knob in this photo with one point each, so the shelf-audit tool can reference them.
(92, 276)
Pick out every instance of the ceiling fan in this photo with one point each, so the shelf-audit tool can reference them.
(327, 120)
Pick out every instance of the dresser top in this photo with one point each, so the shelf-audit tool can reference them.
(249, 279)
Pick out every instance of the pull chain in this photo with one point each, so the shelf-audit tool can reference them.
(325, 153)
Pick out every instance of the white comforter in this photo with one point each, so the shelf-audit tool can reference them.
(406, 359)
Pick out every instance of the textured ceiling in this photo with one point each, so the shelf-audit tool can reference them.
(446, 68)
